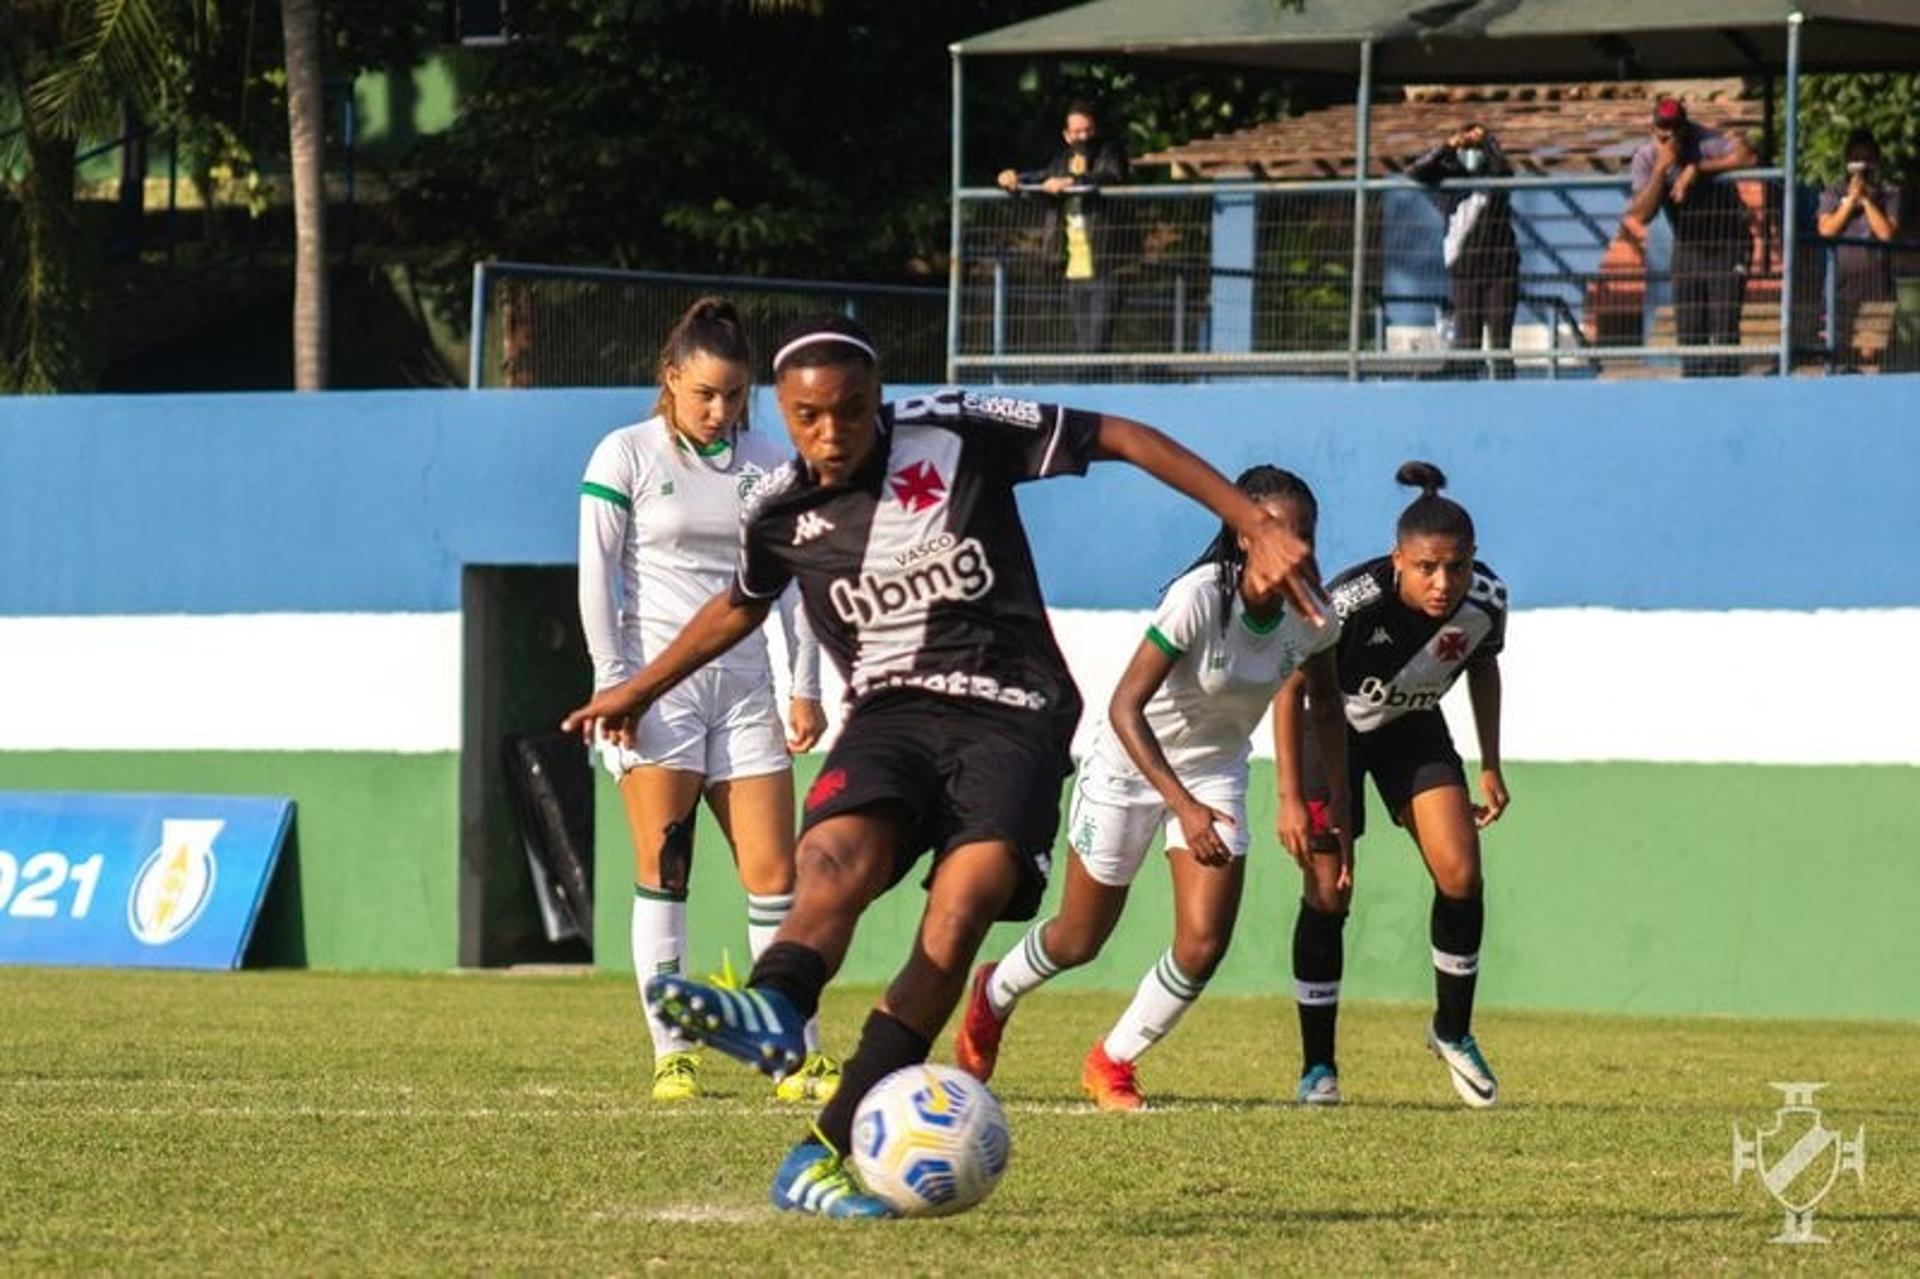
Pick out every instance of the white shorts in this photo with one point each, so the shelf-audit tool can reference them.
(1115, 814)
(718, 723)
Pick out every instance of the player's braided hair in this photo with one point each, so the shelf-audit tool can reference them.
(1224, 552)
(711, 326)
(1431, 515)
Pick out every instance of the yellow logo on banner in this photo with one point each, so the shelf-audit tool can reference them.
(175, 882)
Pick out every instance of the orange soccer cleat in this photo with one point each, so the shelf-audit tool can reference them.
(1110, 1083)
(976, 1049)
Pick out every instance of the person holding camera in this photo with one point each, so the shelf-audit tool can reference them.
(1862, 209)
(1482, 257)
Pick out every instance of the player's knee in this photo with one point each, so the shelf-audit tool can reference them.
(1069, 945)
(1321, 887)
(952, 932)
(832, 863)
(1459, 879)
(1199, 953)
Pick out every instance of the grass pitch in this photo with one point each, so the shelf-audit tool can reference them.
(294, 1122)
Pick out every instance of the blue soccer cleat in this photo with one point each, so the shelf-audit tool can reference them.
(1320, 1086)
(758, 1027)
(812, 1179)
(1467, 1068)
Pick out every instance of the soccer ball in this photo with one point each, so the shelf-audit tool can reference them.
(930, 1140)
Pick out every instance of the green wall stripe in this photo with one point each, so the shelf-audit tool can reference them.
(1648, 888)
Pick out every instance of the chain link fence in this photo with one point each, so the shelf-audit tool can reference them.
(1546, 278)
(576, 326)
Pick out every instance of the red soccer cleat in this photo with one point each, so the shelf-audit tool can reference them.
(976, 1049)
(1110, 1083)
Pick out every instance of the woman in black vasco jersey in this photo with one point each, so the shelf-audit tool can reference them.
(1412, 622)
(899, 523)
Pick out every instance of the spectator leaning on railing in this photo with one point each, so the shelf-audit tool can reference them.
(1078, 234)
(1865, 209)
(1673, 172)
(1482, 257)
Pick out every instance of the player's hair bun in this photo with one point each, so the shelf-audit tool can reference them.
(1425, 476)
(714, 310)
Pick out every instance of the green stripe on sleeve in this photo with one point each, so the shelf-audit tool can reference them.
(1164, 644)
(589, 489)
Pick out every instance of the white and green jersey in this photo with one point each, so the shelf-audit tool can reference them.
(1225, 673)
(659, 537)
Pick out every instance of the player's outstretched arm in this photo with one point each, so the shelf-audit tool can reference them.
(1276, 559)
(1483, 690)
(717, 627)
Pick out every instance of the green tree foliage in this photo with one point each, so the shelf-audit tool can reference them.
(68, 70)
(789, 137)
(1832, 106)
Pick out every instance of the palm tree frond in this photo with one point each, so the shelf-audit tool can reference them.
(119, 53)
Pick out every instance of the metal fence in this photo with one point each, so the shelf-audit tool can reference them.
(1215, 280)
(577, 326)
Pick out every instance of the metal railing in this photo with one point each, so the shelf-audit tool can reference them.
(1228, 280)
(537, 325)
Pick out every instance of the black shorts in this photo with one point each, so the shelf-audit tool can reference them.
(967, 772)
(1406, 756)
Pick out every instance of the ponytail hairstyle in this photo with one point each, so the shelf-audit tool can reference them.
(1431, 515)
(1225, 553)
(711, 326)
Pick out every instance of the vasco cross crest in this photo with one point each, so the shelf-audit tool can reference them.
(1799, 1159)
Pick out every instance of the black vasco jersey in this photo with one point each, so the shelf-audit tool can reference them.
(1393, 659)
(916, 572)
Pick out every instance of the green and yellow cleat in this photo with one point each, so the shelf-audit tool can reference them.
(676, 1077)
(815, 1083)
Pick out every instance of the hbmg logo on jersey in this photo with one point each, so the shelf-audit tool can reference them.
(175, 883)
(938, 570)
(1375, 691)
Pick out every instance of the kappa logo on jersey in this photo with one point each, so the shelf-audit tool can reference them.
(942, 569)
(1451, 645)
(1379, 637)
(809, 526)
(1375, 691)
(918, 486)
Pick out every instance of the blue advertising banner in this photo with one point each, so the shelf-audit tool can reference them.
(149, 881)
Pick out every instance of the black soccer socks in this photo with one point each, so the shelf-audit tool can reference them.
(1318, 958)
(799, 973)
(886, 1044)
(1456, 928)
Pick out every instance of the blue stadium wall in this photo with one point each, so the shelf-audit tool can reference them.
(1711, 717)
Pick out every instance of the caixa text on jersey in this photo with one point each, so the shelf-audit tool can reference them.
(954, 684)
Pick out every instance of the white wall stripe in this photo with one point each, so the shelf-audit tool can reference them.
(254, 681)
(1581, 684)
